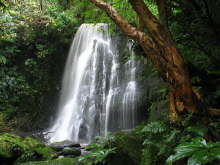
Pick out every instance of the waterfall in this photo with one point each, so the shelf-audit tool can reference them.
(130, 93)
(98, 92)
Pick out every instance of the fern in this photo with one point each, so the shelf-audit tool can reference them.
(159, 141)
(98, 151)
(155, 127)
(96, 156)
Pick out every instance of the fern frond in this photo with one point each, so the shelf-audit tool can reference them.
(155, 127)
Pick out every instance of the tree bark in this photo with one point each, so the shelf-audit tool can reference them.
(160, 48)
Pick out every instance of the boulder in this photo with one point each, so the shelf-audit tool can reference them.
(11, 147)
(14, 149)
(71, 151)
(58, 146)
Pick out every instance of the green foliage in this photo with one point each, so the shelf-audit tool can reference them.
(46, 152)
(129, 144)
(33, 46)
(115, 150)
(32, 143)
(62, 161)
(154, 128)
(198, 152)
(197, 38)
(160, 139)
(96, 156)
(22, 150)
(27, 156)
(98, 152)
(11, 146)
(3, 60)
(3, 5)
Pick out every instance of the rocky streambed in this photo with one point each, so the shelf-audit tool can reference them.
(122, 149)
(68, 149)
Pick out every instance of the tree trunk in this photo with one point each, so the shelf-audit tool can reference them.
(160, 48)
(176, 72)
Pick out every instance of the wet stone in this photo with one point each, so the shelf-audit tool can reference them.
(58, 146)
(71, 151)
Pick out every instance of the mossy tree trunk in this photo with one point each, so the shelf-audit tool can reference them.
(162, 51)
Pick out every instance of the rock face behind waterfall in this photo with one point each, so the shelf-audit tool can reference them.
(99, 91)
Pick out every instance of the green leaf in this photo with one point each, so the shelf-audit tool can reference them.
(178, 156)
(216, 152)
(200, 157)
(198, 130)
(154, 127)
(192, 161)
(3, 60)
(186, 150)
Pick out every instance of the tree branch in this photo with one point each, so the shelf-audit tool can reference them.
(150, 48)
(148, 44)
(127, 28)
(152, 23)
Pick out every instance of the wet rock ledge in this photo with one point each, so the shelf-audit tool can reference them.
(15, 150)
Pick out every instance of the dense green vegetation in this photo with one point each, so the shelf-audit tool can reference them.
(34, 42)
(33, 49)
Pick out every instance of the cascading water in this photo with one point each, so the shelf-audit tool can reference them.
(98, 92)
(129, 102)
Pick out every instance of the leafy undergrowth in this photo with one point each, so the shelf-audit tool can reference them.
(156, 143)
(116, 150)
(62, 161)
(33, 48)
(15, 150)
(198, 152)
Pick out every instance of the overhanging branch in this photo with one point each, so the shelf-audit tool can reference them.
(126, 27)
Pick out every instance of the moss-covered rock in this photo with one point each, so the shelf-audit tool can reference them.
(14, 149)
(46, 153)
(66, 143)
(71, 151)
(4, 126)
(11, 146)
(33, 143)
(26, 157)
(62, 161)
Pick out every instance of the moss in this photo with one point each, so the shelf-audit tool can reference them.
(39, 148)
(65, 143)
(72, 151)
(33, 143)
(4, 127)
(46, 153)
(27, 156)
(11, 146)
(5, 150)
(36, 154)
(62, 161)
(18, 150)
